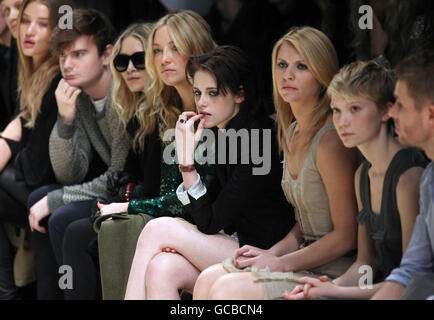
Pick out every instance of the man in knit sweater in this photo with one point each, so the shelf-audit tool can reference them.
(87, 142)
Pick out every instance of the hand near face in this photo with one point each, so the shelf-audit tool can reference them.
(186, 139)
(66, 97)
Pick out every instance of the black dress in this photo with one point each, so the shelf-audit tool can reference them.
(385, 228)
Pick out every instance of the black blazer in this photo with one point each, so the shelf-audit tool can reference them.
(254, 206)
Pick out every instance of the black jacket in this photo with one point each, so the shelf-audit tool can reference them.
(33, 160)
(254, 206)
(145, 166)
(9, 106)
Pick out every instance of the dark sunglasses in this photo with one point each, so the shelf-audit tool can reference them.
(122, 60)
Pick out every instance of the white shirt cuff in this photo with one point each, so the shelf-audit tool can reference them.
(197, 190)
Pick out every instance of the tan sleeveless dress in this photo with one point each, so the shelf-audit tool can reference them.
(308, 195)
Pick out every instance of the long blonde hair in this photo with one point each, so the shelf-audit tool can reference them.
(320, 56)
(191, 35)
(33, 82)
(126, 103)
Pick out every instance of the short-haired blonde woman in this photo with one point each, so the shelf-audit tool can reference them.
(317, 180)
(387, 183)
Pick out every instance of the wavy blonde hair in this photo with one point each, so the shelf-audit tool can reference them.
(33, 82)
(126, 103)
(191, 35)
(320, 56)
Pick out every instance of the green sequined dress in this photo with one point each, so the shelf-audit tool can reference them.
(168, 204)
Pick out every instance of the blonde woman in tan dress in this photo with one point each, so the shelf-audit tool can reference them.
(317, 180)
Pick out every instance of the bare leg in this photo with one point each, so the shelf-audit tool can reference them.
(206, 280)
(168, 272)
(236, 286)
(199, 249)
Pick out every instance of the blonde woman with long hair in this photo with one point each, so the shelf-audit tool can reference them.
(130, 78)
(129, 83)
(387, 183)
(24, 159)
(317, 180)
(174, 38)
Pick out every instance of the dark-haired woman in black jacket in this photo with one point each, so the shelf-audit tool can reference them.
(245, 206)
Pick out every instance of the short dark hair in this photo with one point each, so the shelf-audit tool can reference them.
(89, 22)
(417, 71)
(231, 69)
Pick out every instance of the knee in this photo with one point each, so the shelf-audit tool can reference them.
(224, 288)
(34, 197)
(154, 229)
(208, 276)
(74, 234)
(55, 222)
(205, 281)
(39, 193)
(160, 267)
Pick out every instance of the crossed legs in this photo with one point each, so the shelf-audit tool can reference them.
(195, 251)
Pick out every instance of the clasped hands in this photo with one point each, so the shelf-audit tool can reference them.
(310, 288)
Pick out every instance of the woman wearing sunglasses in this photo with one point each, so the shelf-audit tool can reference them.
(168, 95)
(148, 184)
(130, 81)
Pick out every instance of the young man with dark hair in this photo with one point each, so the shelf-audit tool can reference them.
(413, 113)
(87, 141)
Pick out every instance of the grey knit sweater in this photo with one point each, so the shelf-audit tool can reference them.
(71, 152)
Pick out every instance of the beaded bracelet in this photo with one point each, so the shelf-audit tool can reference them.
(128, 191)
